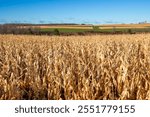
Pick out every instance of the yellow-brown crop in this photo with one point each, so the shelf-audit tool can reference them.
(75, 67)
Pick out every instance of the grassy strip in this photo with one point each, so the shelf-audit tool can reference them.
(63, 30)
(124, 30)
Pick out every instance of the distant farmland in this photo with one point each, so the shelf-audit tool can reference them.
(100, 28)
(73, 29)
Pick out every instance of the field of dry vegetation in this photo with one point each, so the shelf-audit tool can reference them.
(75, 67)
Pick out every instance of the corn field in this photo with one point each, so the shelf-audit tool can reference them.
(98, 67)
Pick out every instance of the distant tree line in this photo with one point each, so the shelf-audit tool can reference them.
(17, 29)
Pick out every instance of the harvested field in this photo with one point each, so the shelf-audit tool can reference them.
(123, 26)
(127, 25)
(58, 27)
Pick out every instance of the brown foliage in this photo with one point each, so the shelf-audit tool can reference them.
(76, 67)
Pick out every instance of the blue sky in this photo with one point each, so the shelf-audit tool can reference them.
(74, 11)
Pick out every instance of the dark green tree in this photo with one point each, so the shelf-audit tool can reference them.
(56, 32)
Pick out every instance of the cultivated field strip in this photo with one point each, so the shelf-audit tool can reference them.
(114, 67)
